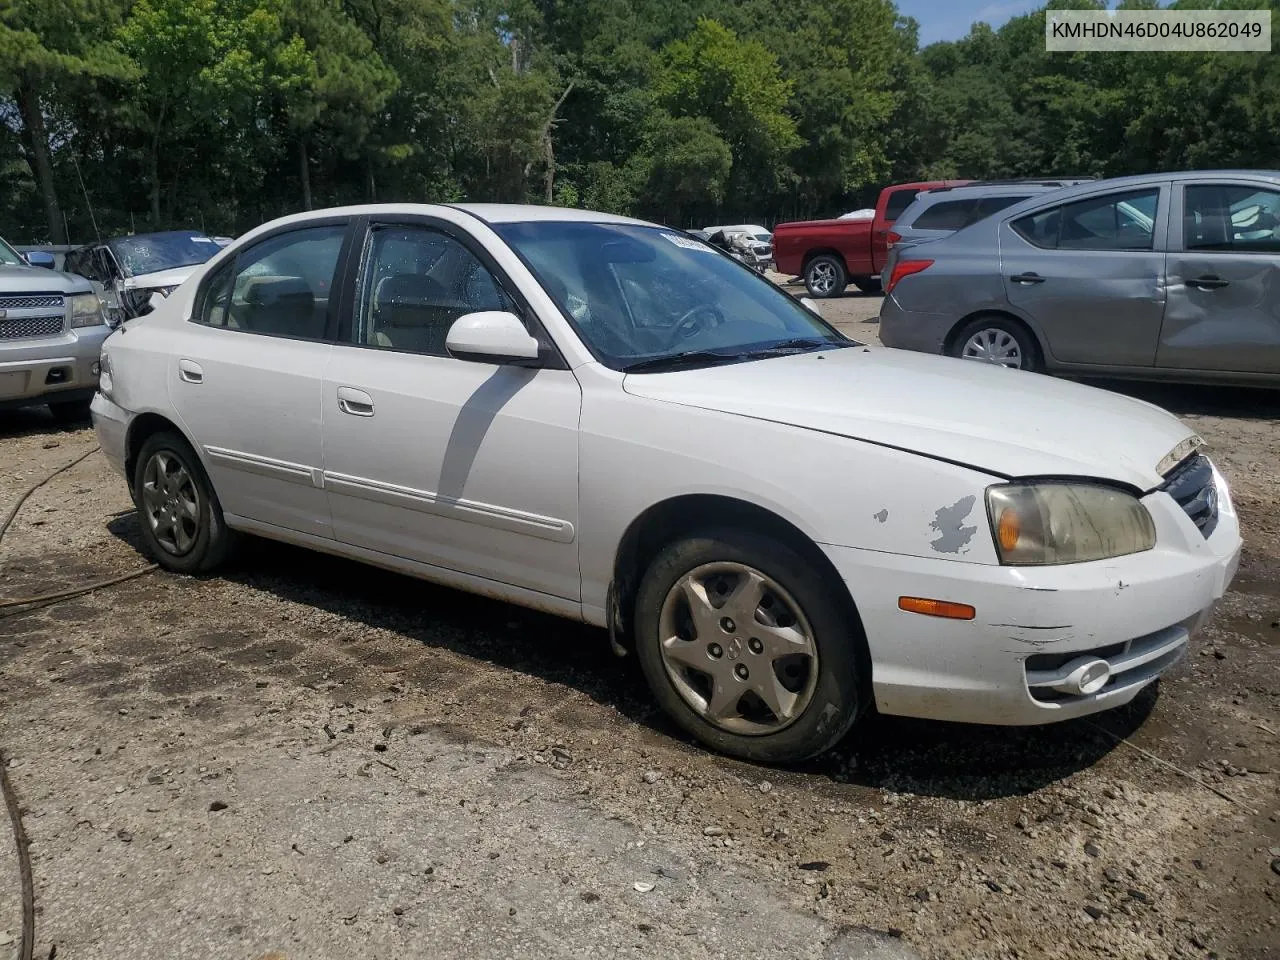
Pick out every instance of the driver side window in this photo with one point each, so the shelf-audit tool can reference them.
(415, 283)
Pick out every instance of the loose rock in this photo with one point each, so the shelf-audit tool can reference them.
(652, 776)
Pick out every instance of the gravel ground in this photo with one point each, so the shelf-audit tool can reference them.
(305, 757)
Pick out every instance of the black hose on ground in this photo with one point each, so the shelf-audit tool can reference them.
(75, 591)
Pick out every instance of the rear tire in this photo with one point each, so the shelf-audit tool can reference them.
(825, 276)
(746, 647)
(869, 285)
(998, 340)
(178, 511)
(70, 411)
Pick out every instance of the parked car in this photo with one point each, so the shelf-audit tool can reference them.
(754, 230)
(51, 331)
(756, 254)
(831, 254)
(604, 419)
(1169, 276)
(134, 273)
(939, 213)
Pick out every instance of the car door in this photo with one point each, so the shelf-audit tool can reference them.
(246, 375)
(1224, 279)
(1089, 274)
(464, 465)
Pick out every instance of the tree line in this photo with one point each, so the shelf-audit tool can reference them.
(127, 115)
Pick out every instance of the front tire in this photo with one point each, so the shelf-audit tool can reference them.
(745, 647)
(825, 276)
(181, 519)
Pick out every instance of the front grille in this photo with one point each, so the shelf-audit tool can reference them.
(1191, 484)
(1134, 663)
(40, 301)
(30, 327)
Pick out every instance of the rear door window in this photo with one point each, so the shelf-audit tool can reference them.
(1117, 221)
(279, 287)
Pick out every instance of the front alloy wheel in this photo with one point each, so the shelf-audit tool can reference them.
(747, 644)
(738, 649)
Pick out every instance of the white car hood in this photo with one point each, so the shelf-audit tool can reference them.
(163, 278)
(1005, 422)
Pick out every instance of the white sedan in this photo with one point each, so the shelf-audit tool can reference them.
(611, 421)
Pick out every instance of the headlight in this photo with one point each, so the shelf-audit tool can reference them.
(1045, 523)
(85, 309)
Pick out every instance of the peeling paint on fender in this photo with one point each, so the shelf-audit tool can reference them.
(882, 516)
(949, 521)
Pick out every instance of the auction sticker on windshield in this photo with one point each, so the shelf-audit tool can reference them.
(688, 243)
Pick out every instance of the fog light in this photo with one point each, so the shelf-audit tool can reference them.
(1085, 675)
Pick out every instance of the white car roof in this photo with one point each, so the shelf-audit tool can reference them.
(529, 212)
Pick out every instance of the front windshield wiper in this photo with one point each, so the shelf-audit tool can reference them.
(798, 345)
(686, 358)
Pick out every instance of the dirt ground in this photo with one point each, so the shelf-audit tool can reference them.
(305, 757)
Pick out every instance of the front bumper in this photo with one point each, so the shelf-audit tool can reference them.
(47, 369)
(1136, 612)
(910, 330)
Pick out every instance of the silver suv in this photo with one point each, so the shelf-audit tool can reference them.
(51, 332)
(1167, 275)
(940, 212)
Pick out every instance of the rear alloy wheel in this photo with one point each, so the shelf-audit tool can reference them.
(180, 516)
(743, 645)
(998, 341)
(824, 276)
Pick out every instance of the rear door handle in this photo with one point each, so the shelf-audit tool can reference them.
(1027, 278)
(355, 402)
(190, 372)
(1207, 282)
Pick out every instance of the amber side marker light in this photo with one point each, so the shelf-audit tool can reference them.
(937, 608)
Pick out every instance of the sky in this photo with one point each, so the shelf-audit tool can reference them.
(950, 19)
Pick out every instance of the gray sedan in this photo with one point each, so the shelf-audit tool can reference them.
(1173, 276)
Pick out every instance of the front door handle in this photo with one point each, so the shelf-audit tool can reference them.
(355, 402)
(1027, 278)
(190, 372)
(1207, 282)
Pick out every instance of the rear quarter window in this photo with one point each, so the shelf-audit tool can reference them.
(946, 215)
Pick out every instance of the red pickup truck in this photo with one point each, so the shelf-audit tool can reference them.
(830, 254)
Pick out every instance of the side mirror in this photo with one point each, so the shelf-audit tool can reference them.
(40, 258)
(811, 306)
(491, 336)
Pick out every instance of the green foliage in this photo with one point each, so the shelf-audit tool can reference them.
(223, 113)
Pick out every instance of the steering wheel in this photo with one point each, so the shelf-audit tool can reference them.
(688, 325)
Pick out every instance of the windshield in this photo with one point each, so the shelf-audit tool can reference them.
(9, 257)
(638, 295)
(151, 253)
